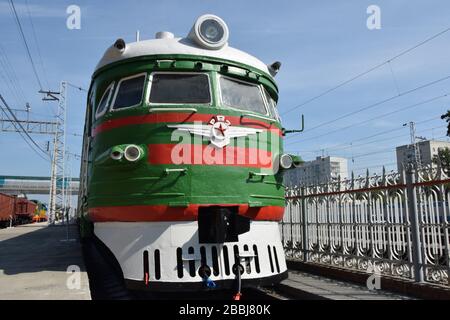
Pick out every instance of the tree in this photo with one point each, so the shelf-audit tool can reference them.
(444, 157)
(446, 117)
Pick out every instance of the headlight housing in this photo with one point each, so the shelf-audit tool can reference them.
(210, 32)
(286, 161)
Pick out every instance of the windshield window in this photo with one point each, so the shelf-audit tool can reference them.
(180, 88)
(242, 95)
(129, 92)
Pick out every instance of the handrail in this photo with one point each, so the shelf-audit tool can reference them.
(168, 171)
(252, 174)
(249, 115)
(153, 110)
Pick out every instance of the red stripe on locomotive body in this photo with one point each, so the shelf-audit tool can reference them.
(158, 213)
(180, 118)
(173, 154)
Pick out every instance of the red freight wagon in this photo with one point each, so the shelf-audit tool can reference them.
(25, 209)
(7, 208)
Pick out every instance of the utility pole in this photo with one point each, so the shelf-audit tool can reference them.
(414, 144)
(31, 126)
(57, 202)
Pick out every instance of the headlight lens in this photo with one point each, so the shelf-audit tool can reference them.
(211, 31)
(286, 161)
(132, 153)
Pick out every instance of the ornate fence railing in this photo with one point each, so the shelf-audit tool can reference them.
(394, 224)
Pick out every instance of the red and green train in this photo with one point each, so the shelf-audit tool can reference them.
(16, 210)
(182, 163)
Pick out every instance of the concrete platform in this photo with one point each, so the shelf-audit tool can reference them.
(34, 262)
(308, 286)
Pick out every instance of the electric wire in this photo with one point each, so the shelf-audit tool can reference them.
(367, 71)
(428, 84)
(20, 125)
(374, 118)
(37, 43)
(76, 87)
(19, 25)
(23, 137)
(11, 75)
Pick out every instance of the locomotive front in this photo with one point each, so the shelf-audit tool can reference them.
(182, 164)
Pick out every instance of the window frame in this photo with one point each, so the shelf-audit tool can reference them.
(111, 107)
(97, 114)
(272, 106)
(150, 87)
(219, 87)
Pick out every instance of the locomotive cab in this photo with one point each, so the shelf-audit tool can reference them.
(182, 161)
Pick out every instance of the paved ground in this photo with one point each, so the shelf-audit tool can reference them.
(314, 287)
(34, 262)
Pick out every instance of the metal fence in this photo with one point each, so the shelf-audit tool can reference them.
(394, 224)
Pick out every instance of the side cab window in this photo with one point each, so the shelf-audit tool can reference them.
(104, 101)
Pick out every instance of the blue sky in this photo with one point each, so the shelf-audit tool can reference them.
(320, 43)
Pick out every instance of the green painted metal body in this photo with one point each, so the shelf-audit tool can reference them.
(105, 183)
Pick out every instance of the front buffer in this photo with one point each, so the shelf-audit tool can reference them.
(168, 256)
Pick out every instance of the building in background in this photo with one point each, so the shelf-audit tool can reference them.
(320, 170)
(426, 152)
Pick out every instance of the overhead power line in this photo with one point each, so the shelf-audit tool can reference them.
(37, 43)
(11, 79)
(24, 138)
(350, 145)
(76, 87)
(367, 71)
(373, 105)
(376, 118)
(380, 151)
(20, 125)
(19, 25)
(19, 128)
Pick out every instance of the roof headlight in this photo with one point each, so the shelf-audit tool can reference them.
(210, 31)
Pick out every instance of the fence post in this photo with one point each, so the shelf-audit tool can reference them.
(305, 240)
(415, 226)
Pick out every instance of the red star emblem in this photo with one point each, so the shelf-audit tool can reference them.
(221, 129)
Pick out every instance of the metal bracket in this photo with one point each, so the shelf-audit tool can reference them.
(154, 110)
(249, 115)
(169, 171)
(285, 132)
(257, 174)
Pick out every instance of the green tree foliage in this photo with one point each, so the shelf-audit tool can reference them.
(446, 117)
(444, 157)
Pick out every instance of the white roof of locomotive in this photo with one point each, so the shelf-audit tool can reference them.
(178, 46)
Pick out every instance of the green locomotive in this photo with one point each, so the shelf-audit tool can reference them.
(182, 162)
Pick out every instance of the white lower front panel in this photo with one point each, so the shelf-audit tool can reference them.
(173, 254)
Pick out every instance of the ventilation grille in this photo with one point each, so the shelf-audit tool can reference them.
(220, 259)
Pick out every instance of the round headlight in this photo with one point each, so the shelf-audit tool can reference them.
(116, 155)
(210, 32)
(132, 153)
(286, 161)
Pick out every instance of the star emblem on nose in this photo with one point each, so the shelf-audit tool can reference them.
(219, 130)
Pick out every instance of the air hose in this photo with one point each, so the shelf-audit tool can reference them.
(205, 273)
(238, 295)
